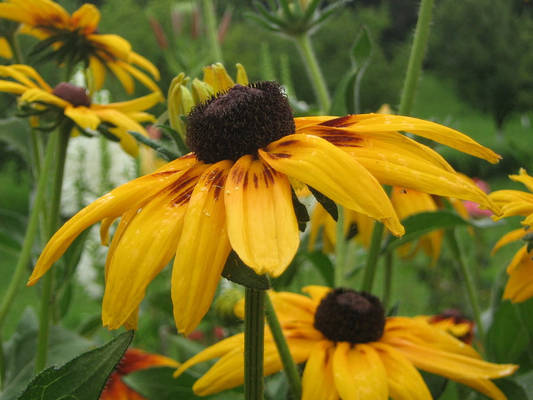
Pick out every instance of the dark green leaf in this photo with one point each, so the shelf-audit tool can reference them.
(420, 224)
(176, 138)
(512, 389)
(328, 204)
(16, 133)
(526, 381)
(353, 230)
(302, 216)
(82, 378)
(157, 146)
(342, 103)
(236, 271)
(435, 383)
(324, 265)
(362, 48)
(507, 337)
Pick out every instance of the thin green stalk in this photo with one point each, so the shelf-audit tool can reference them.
(15, 46)
(29, 237)
(389, 270)
(53, 219)
(340, 248)
(470, 286)
(372, 258)
(212, 32)
(293, 376)
(2, 365)
(254, 327)
(303, 43)
(416, 57)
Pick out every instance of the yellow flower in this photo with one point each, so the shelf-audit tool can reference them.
(406, 202)
(352, 351)
(75, 38)
(453, 322)
(233, 192)
(74, 103)
(5, 48)
(514, 202)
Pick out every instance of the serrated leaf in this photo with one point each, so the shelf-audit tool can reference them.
(362, 48)
(420, 224)
(236, 271)
(82, 378)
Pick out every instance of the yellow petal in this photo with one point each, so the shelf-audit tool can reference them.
(118, 47)
(138, 104)
(317, 293)
(12, 87)
(122, 75)
(510, 237)
(17, 74)
(98, 73)
(342, 373)
(427, 129)
(484, 386)
(520, 284)
(368, 373)
(141, 76)
(217, 77)
(145, 64)
(404, 381)
(242, 77)
(83, 117)
(332, 172)
(202, 249)
(86, 17)
(262, 226)
(104, 230)
(113, 204)
(523, 178)
(145, 248)
(317, 380)
(39, 95)
(33, 74)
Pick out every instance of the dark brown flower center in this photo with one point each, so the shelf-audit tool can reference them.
(345, 315)
(75, 95)
(239, 121)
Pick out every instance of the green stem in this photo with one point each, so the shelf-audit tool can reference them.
(416, 57)
(293, 376)
(212, 33)
(53, 219)
(254, 327)
(31, 231)
(340, 248)
(303, 43)
(458, 254)
(15, 46)
(389, 270)
(372, 257)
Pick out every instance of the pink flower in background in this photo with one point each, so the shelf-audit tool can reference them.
(473, 208)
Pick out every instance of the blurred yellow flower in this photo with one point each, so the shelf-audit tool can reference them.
(453, 322)
(75, 38)
(352, 351)
(34, 94)
(233, 192)
(5, 48)
(514, 202)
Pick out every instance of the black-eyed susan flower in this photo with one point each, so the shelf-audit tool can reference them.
(133, 360)
(233, 192)
(352, 351)
(66, 99)
(520, 270)
(75, 38)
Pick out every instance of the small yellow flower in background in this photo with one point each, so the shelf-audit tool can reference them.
(5, 49)
(453, 322)
(352, 351)
(74, 103)
(233, 192)
(514, 202)
(75, 37)
(183, 95)
(133, 360)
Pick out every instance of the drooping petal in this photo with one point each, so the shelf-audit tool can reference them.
(145, 248)
(33, 74)
(83, 117)
(12, 87)
(523, 178)
(39, 95)
(332, 172)
(405, 382)
(262, 226)
(122, 75)
(510, 237)
(520, 284)
(145, 64)
(317, 380)
(98, 72)
(141, 76)
(138, 104)
(484, 386)
(113, 204)
(202, 249)
(115, 45)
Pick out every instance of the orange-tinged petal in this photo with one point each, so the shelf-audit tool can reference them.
(427, 129)
(317, 380)
(113, 204)
(202, 249)
(86, 17)
(83, 117)
(145, 248)
(404, 380)
(332, 172)
(262, 226)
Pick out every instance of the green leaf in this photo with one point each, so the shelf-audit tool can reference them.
(420, 224)
(302, 216)
(236, 271)
(82, 378)
(323, 265)
(435, 383)
(328, 204)
(513, 390)
(362, 48)
(16, 133)
(526, 381)
(158, 384)
(157, 146)
(342, 102)
(507, 337)
(176, 138)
